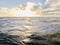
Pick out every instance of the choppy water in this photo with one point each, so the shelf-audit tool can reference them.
(41, 25)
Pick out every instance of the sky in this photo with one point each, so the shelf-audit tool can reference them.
(15, 3)
(29, 8)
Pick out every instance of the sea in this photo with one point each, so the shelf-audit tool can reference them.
(38, 25)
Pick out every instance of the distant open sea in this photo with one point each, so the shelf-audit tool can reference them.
(40, 25)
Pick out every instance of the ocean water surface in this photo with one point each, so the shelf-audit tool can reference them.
(40, 25)
(29, 31)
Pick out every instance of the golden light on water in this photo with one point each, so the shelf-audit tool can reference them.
(25, 29)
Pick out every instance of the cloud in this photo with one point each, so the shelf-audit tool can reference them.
(28, 10)
(4, 12)
(50, 8)
(52, 3)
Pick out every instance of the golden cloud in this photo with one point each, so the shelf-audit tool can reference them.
(33, 10)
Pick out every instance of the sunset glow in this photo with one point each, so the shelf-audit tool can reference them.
(31, 9)
(26, 10)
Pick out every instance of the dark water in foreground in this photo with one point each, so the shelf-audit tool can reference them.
(24, 27)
